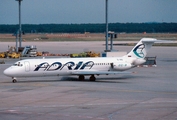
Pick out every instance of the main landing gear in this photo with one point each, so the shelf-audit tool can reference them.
(14, 80)
(82, 77)
(92, 78)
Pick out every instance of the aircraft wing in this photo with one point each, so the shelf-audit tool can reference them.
(97, 72)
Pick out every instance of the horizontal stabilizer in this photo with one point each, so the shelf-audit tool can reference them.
(155, 40)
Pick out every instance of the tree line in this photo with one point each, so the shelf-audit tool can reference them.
(92, 28)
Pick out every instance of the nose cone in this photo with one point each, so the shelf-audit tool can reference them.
(8, 72)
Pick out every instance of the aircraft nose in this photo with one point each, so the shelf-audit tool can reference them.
(7, 72)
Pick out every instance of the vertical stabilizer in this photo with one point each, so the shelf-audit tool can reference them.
(141, 48)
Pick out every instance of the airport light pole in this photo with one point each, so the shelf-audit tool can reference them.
(106, 26)
(20, 29)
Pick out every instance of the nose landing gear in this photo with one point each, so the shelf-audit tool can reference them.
(14, 80)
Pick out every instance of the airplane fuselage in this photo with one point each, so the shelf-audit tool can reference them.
(65, 66)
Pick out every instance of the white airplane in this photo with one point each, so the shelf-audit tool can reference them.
(81, 66)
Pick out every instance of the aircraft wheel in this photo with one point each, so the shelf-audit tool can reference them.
(81, 77)
(92, 78)
(14, 80)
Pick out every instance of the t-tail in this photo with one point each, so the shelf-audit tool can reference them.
(138, 53)
(141, 48)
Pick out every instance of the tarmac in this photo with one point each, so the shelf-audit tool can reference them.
(150, 93)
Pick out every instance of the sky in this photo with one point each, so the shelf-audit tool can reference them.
(88, 11)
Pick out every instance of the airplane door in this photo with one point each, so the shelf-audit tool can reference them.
(27, 66)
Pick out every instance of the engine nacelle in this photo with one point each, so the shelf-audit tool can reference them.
(138, 61)
(121, 66)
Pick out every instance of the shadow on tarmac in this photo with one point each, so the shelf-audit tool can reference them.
(122, 79)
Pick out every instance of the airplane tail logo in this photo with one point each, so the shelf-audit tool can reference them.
(138, 51)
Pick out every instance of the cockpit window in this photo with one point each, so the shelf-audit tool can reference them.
(18, 64)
